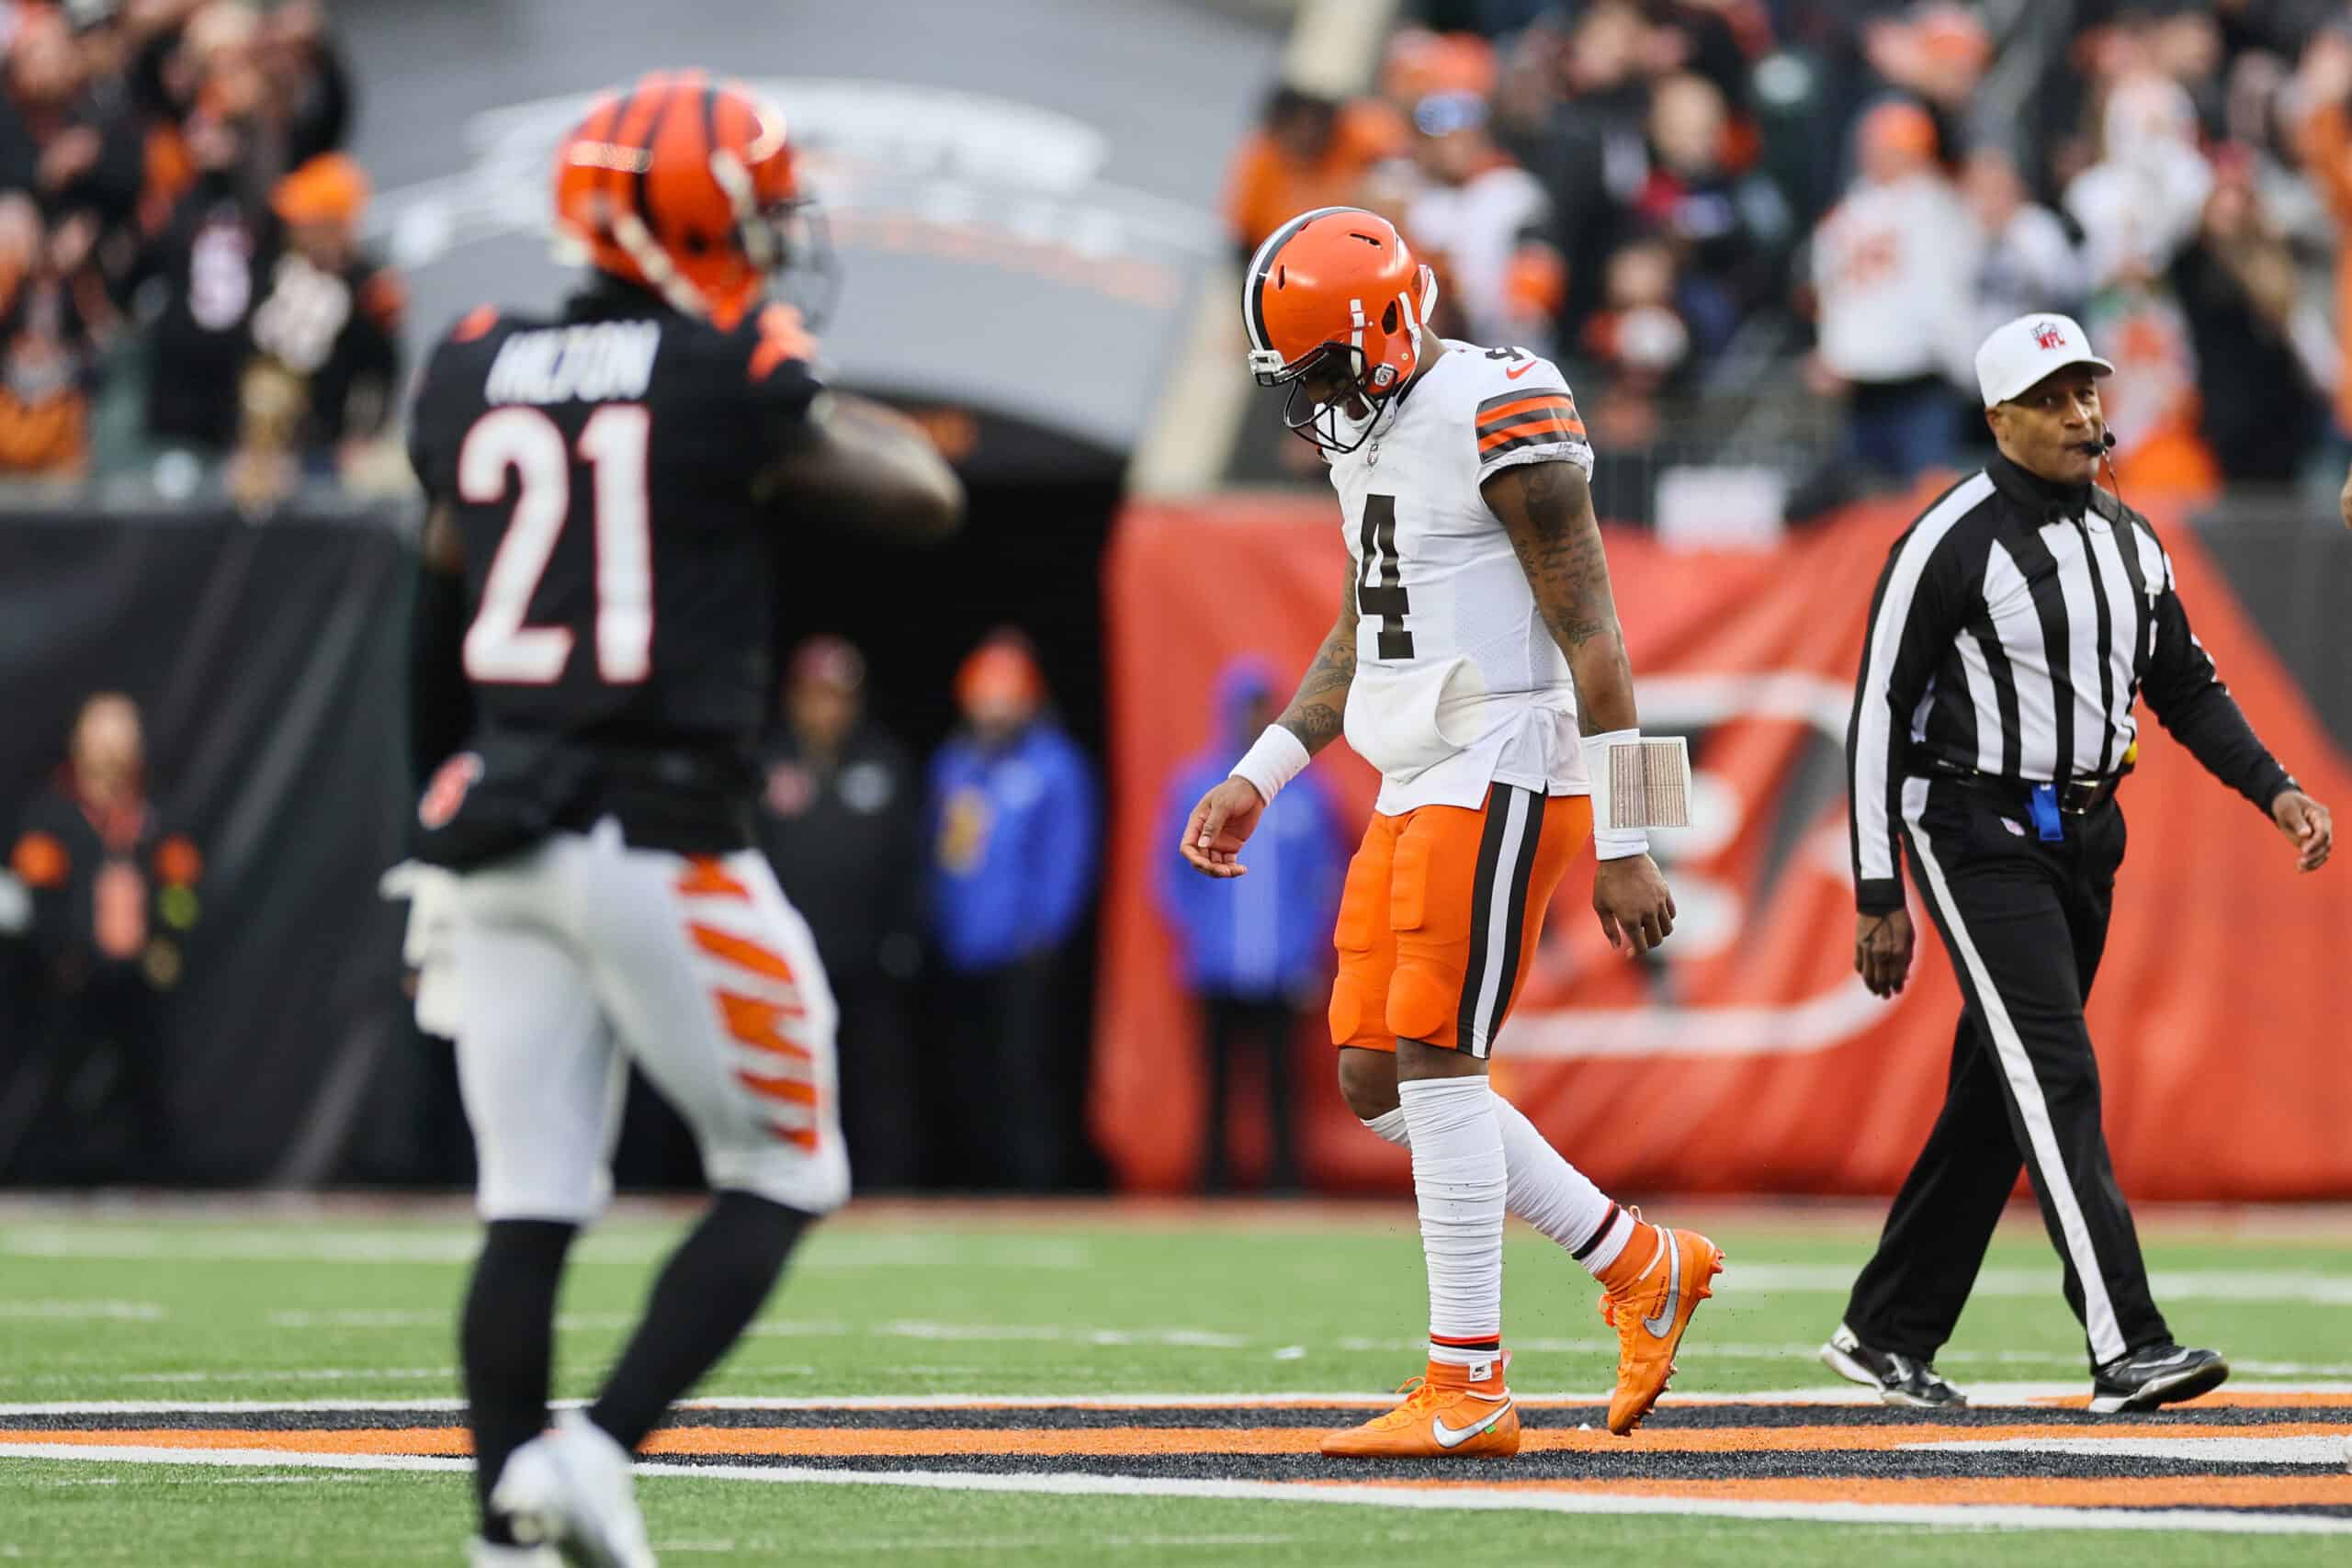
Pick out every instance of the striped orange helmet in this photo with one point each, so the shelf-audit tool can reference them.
(1335, 301)
(688, 187)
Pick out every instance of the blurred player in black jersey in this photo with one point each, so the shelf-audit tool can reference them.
(614, 490)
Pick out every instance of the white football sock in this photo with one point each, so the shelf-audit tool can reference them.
(1459, 1177)
(1620, 1228)
(1543, 1188)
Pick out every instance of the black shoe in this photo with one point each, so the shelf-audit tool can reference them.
(1899, 1379)
(2154, 1375)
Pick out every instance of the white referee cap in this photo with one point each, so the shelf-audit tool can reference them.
(2019, 354)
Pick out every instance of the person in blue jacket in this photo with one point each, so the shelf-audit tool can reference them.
(1014, 832)
(1256, 949)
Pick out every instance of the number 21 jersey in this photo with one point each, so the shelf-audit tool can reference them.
(605, 471)
(1459, 683)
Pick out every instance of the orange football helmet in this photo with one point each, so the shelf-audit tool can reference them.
(688, 187)
(1335, 298)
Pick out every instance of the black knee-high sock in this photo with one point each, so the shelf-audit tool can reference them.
(709, 1291)
(507, 1340)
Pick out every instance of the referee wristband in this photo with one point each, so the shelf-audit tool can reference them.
(1275, 759)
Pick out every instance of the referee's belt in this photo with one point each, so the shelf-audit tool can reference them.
(2074, 797)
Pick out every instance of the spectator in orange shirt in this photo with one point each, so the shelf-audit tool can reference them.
(45, 343)
(1307, 151)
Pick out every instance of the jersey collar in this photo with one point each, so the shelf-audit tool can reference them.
(2045, 501)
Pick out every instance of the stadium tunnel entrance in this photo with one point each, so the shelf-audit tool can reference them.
(1041, 506)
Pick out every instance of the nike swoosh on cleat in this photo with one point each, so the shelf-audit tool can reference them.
(1665, 1320)
(1515, 375)
(1452, 1438)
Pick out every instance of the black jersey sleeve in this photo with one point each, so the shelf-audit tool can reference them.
(2185, 692)
(443, 406)
(779, 367)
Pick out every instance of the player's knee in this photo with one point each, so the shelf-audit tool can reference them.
(812, 1181)
(1368, 1081)
(1421, 1004)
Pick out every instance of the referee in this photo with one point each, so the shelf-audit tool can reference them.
(2015, 623)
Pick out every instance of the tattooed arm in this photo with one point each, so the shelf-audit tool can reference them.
(1319, 708)
(1546, 508)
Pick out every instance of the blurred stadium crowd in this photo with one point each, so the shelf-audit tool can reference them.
(1688, 200)
(182, 283)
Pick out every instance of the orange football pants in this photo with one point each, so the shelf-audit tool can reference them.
(1441, 915)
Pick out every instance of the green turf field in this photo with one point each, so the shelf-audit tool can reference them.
(169, 1306)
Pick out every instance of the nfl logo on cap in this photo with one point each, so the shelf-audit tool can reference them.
(2016, 356)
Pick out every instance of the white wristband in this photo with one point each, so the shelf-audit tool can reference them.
(1276, 758)
(1619, 843)
(1608, 843)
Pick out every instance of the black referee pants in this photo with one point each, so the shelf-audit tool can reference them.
(2025, 923)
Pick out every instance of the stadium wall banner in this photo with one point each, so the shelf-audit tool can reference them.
(1745, 1056)
(270, 663)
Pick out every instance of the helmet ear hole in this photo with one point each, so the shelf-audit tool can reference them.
(1388, 318)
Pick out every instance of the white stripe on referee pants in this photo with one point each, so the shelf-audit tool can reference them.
(1495, 984)
(2098, 1312)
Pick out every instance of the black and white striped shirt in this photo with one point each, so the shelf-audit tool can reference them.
(2015, 624)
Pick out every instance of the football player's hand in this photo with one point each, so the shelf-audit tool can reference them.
(1882, 951)
(2344, 501)
(1635, 908)
(2307, 825)
(1220, 825)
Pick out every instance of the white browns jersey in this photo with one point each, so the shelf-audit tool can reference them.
(1458, 681)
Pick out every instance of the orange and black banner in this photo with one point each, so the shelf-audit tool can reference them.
(1745, 1056)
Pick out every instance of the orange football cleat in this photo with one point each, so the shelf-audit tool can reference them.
(1445, 1416)
(1649, 1310)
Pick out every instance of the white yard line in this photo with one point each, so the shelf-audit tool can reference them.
(1981, 1395)
(440, 1319)
(931, 1545)
(1466, 1497)
(1808, 1349)
(2299, 1286)
(297, 1374)
(392, 1318)
(112, 1312)
(2325, 1450)
(437, 1319)
(841, 1251)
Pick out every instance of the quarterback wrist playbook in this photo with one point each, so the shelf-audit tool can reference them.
(1637, 783)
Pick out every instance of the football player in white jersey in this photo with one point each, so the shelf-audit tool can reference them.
(1476, 636)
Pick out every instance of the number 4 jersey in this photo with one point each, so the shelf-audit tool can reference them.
(1458, 681)
(605, 469)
